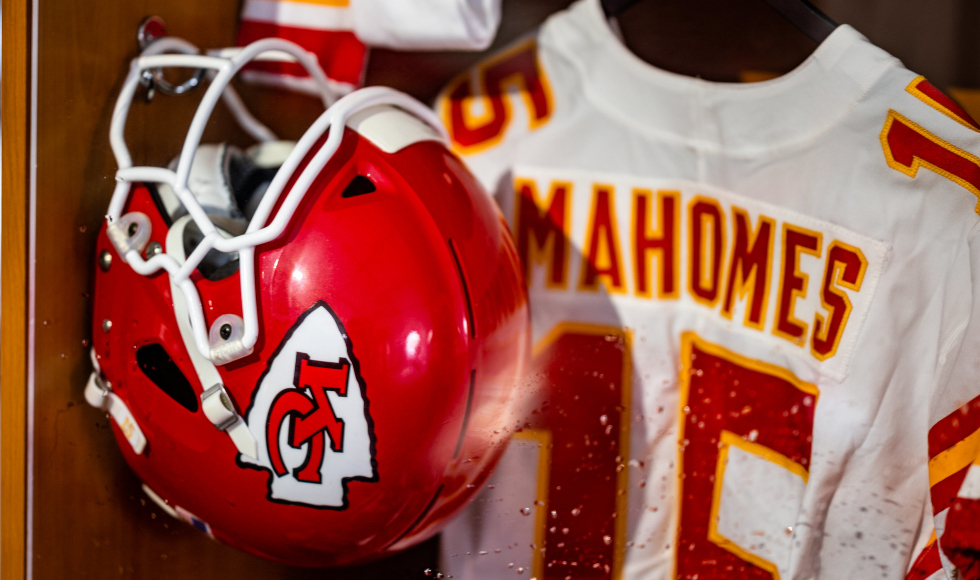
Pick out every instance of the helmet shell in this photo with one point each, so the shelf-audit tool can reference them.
(421, 282)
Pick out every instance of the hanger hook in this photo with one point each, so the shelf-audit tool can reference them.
(151, 29)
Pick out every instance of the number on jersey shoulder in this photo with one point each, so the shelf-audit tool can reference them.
(926, 92)
(909, 146)
(477, 106)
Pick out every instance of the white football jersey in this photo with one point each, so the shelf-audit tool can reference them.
(338, 30)
(756, 314)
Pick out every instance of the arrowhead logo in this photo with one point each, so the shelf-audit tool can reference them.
(310, 416)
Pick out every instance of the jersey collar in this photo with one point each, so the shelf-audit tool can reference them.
(744, 119)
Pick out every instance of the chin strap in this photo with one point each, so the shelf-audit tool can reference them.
(98, 393)
(215, 401)
(218, 409)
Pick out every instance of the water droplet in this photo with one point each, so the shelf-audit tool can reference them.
(564, 530)
(538, 502)
(491, 486)
(576, 512)
(607, 540)
(428, 571)
(84, 342)
(520, 569)
(526, 511)
(554, 514)
(482, 552)
(753, 435)
(604, 420)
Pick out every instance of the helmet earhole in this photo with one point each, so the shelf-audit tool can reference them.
(133, 228)
(161, 369)
(225, 331)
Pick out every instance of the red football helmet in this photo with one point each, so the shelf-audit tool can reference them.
(310, 350)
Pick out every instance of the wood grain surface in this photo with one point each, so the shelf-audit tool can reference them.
(13, 293)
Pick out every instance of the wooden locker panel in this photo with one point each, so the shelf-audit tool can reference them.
(13, 320)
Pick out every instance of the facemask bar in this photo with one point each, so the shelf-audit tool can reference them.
(129, 233)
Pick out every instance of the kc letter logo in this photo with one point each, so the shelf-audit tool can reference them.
(310, 416)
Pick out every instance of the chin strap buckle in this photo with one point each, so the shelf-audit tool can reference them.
(98, 393)
(218, 409)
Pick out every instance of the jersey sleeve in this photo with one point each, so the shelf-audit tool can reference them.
(338, 32)
(426, 24)
(954, 435)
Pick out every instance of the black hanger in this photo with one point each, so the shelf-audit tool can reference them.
(805, 16)
(800, 13)
(616, 7)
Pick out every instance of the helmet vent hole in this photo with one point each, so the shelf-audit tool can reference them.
(471, 322)
(157, 365)
(360, 185)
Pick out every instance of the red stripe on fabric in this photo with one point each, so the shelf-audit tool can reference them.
(961, 540)
(927, 564)
(954, 427)
(341, 54)
(944, 493)
(929, 90)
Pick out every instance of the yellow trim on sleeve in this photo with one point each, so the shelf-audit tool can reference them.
(957, 457)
